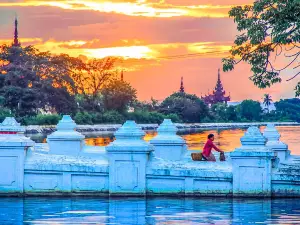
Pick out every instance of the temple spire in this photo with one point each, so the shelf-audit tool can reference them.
(218, 94)
(122, 75)
(16, 42)
(181, 86)
(219, 86)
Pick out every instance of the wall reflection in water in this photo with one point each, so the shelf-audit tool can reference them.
(148, 211)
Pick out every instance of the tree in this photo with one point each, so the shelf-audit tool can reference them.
(189, 108)
(223, 113)
(151, 106)
(249, 110)
(89, 77)
(219, 111)
(267, 101)
(100, 72)
(118, 95)
(288, 109)
(269, 29)
(30, 79)
(231, 113)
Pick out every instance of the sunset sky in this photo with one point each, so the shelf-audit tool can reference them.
(155, 36)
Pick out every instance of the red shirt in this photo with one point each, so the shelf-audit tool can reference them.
(207, 148)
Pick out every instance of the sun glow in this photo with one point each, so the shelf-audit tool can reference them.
(135, 52)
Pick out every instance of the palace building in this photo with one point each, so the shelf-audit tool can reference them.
(218, 95)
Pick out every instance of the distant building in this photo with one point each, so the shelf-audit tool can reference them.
(16, 42)
(122, 75)
(181, 89)
(218, 95)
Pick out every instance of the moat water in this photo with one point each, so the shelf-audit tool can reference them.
(226, 139)
(162, 211)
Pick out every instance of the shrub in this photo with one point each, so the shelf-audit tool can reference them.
(41, 119)
(113, 117)
(97, 118)
(174, 117)
(143, 116)
(156, 117)
(4, 112)
(83, 118)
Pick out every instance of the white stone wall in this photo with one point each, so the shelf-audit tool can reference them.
(129, 165)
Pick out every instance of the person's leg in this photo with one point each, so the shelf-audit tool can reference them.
(211, 158)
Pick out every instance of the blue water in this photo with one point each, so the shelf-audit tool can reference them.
(148, 211)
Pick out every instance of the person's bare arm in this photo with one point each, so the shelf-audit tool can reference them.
(216, 148)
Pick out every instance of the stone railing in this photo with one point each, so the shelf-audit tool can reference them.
(262, 166)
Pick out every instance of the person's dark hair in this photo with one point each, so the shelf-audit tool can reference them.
(210, 136)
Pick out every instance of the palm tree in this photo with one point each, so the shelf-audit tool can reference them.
(267, 101)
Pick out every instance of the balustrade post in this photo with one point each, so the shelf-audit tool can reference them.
(13, 146)
(128, 157)
(252, 165)
(65, 141)
(168, 145)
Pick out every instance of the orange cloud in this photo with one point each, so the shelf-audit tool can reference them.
(166, 51)
(132, 8)
(161, 40)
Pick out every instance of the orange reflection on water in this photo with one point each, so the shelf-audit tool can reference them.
(227, 140)
(99, 141)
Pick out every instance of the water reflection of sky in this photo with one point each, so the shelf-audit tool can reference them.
(227, 140)
(161, 211)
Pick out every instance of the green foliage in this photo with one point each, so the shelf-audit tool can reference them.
(288, 109)
(113, 117)
(32, 80)
(118, 95)
(142, 116)
(152, 105)
(249, 110)
(268, 29)
(90, 103)
(220, 112)
(267, 101)
(41, 119)
(174, 117)
(4, 112)
(231, 114)
(83, 118)
(188, 107)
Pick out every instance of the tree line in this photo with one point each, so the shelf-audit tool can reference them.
(38, 87)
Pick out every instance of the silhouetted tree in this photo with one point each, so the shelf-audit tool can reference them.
(269, 29)
(267, 101)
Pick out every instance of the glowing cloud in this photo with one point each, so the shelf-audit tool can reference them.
(137, 8)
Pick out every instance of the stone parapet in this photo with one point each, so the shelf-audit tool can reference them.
(65, 166)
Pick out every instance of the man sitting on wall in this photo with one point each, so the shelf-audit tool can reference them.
(207, 154)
